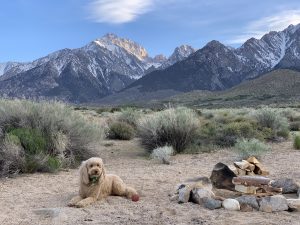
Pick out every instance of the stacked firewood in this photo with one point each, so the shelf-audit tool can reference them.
(257, 185)
(251, 167)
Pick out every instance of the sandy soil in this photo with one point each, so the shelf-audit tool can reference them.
(42, 198)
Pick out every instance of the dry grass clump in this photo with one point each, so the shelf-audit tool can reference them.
(162, 154)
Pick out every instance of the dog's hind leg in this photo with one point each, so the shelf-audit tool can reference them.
(74, 200)
(121, 189)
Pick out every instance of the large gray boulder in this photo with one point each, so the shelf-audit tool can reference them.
(274, 203)
(199, 195)
(248, 202)
(288, 185)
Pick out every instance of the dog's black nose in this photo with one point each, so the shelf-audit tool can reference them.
(96, 172)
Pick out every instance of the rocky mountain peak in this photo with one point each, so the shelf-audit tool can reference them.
(182, 52)
(159, 58)
(130, 46)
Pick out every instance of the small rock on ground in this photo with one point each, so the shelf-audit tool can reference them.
(211, 203)
(231, 204)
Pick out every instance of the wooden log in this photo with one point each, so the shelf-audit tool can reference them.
(250, 173)
(260, 170)
(251, 167)
(246, 189)
(242, 165)
(241, 172)
(252, 160)
(294, 204)
(221, 177)
(256, 181)
(268, 188)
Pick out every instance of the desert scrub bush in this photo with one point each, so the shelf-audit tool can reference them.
(176, 127)
(270, 118)
(44, 136)
(295, 126)
(297, 142)
(130, 116)
(162, 154)
(253, 147)
(121, 131)
(227, 134)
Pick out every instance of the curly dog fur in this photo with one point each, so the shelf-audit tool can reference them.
(95, 184)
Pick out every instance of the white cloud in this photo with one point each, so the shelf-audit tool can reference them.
(118, 11)
(259, 27)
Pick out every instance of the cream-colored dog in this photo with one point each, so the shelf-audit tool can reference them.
(95, 184)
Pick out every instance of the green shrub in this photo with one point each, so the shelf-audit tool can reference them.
(297, 142)
(229, 133)
(121, 131)
(176, 127)
(44, 136)
(130, 116)
(31, 140)
(285, 133)
(206, 134)
(53, 164)
(270, 118)
(253, 147)
(295, 126)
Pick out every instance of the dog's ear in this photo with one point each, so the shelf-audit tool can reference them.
(84, 177)
(103, 169)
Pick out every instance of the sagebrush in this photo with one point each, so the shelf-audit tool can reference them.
(121, 131)
(272, 119)
(253, 147)
(44, 136)
(176, 127)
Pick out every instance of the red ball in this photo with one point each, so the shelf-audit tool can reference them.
(135, 198)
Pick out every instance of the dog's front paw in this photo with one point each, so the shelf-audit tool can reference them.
(79, 205)
(74, 200)
(71, 204)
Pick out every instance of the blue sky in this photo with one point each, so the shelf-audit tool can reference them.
(34, 28)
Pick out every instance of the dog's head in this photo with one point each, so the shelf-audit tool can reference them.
(92, 170)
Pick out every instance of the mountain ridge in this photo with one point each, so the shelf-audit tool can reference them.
(121, 68)
(105, 65)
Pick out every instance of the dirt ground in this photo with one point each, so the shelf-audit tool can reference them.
(42, 198)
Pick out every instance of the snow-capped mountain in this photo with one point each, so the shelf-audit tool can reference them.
(100, 68)
(110, 64)
(4, 67)
(180, 53)
(218, 67)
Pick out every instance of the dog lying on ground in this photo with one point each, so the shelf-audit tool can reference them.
(95, 184)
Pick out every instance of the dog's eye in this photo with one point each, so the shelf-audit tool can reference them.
(91, 165)
(98, 165)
